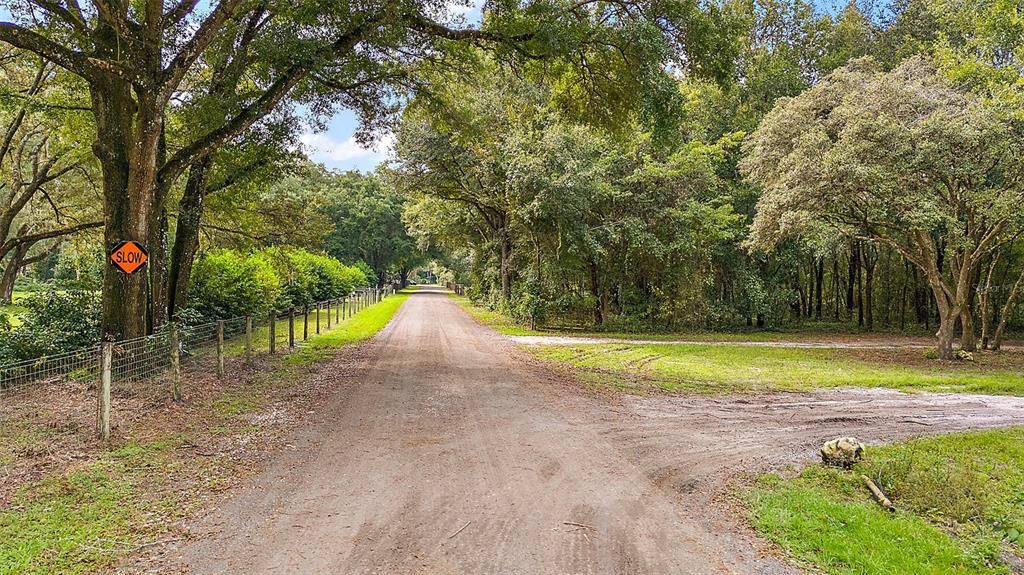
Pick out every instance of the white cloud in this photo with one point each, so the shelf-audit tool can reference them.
(470, 10)
(348, 154)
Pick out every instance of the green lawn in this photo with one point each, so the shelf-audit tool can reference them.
(959, 499)
(14, 310)
(731, 368)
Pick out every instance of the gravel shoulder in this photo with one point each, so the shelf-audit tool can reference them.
(451, 451)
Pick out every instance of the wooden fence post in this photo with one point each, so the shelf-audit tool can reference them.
(328, 314)
(175, 363)
(220, 348)
(337, 310)
(305, 323)
(248, 338)
(106, 375)
(273, 331)
(291, 328)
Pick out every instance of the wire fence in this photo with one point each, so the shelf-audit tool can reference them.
(79, 364)
(149, 368)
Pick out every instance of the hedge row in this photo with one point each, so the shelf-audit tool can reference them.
(228, 283)
(225, 284)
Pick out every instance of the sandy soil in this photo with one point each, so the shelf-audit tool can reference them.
(453, 452)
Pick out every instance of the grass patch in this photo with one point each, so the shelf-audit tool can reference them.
(493, 319)
(960, 499)
(725, 368)
(359, 327)
(232, 405)
(82, 520)
(12, 312)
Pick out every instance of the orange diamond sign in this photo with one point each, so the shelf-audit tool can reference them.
(129, 256)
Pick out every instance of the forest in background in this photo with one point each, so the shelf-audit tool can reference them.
(789, 193)
(625, 166)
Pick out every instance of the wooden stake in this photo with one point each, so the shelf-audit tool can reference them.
(248, 338)
(106, 375)
(220, 349)
(877, 493)
(291, 328)
(273, 331)
(175, 363)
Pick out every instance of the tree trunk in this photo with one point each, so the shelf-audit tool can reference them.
(984, 303)
(968, 339)
(158, 287)
(851, 278)
(10, 275)
(947, 327)
(870, 255)
(1004, 315)
(946, 337)
(819, 286)
(860, 289)
(186, 236)
(836, 286)
(595, 290)
(506, 266)
(799, 307)
(126, 145)
(903, 298)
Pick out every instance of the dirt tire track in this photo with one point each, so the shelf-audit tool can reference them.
(448, 424)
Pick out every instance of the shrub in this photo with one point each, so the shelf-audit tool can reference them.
(369, 277)
(307, 278)
(528, 307)
(357, 278)
(55, 321)
(227, 284)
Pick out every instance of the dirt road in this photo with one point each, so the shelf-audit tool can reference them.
(452, 452)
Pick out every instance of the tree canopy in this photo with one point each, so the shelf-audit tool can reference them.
(638, 165)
